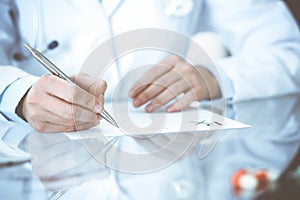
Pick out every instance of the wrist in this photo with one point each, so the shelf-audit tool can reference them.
(20, 111)
(210, 83)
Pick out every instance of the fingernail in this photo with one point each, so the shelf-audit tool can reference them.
(98, 108)
(152, 108)
(136, 103)
(149, 109)
(131, 93)
(171, 109)
(101, 97)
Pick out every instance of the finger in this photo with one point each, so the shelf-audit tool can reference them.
(37, 143)
(156, 88)
(41, 155)
(72, 94)
(68, 160)
(152, 74)
(167, 95)
(54, 119)
(76, 177)
(65, 111)
(94, 86)
(55, 128)
(183, 102)
(147, 79)
(86, 100)
(83, 126)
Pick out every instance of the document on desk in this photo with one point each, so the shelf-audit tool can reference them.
(134, 122)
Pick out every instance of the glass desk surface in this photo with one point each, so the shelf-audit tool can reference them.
(171, 166)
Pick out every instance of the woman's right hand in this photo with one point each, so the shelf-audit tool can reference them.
(55, 105)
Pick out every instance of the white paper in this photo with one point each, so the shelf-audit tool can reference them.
(137, 122)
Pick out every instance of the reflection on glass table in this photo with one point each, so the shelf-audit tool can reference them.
(171, 166)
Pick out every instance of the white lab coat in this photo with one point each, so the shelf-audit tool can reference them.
(261, 36)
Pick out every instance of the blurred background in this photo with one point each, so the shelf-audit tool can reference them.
(295, 7)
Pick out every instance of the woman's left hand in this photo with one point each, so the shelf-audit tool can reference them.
(170, 78)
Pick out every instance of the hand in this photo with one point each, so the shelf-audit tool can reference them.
(55, 105)
(170, 78)
(61, 163)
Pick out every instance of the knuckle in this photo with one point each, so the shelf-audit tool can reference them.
(70, 128)
(187, 69)
(174, 90)
(73, 77)
(71, 92)
(103, 84)
(158, 101)
(67, 112)
(155, 70)
(40, 127)
(90, 102)
(198, 90)
(166, 66)
(33, 98)
(70, 123)
(75, 113)
(144, 97)
(197, 93)
(34, 114)
(79, 128)
(92, 87)
(82, 126)
(162, 83)
(174, 58)
(193, 80)
(35, 95)
(44, 79)
(101, 98)
(87, 126)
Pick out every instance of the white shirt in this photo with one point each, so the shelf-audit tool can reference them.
(261, 36)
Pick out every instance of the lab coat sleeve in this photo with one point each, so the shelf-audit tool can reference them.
(14, 82)
(264, 42)
(16, 87)
(213, 50)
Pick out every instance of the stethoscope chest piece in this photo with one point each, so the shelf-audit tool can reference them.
(178, 8)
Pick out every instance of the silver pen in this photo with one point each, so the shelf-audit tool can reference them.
(56, 71)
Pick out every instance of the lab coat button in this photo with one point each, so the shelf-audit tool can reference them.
(182, 189)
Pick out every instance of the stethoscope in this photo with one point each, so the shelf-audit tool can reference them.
(22, 55)
(175, 8)
(171, 8)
